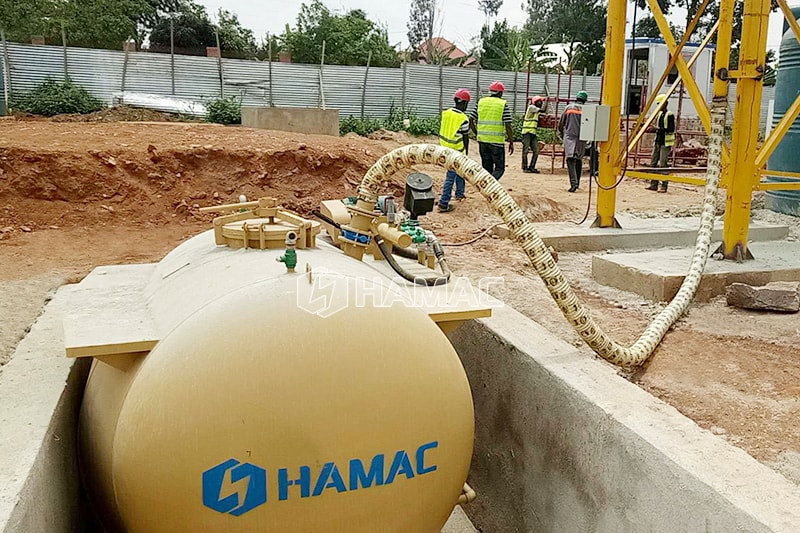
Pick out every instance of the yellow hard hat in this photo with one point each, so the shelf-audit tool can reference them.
(660, 98)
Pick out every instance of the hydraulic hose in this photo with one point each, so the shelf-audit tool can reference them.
(523, 232)
(408, 253)
(386, 251)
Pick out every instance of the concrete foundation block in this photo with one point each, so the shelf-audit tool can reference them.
(563, 443)
(639, 233)
(310, 121)
(657, 275)
(40, 395)
(783, 296)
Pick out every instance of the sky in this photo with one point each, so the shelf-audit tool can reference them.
(458, 20)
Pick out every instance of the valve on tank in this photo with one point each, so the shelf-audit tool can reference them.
(289, 257)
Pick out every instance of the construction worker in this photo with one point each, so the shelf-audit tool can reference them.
(569, 126)
(454, 133)
(664, 126)
(530, 140)
(491, 121)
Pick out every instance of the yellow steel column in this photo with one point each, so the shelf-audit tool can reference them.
(612, 97)
(743, 173)
(722, 58)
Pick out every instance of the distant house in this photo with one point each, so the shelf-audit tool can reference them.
(441, 51)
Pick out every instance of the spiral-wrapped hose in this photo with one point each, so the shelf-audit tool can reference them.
(523, 232)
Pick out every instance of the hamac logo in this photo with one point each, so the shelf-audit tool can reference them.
(222, 493)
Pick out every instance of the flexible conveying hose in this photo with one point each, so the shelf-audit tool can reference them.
(523, 232)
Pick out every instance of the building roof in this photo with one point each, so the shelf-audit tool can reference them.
(441, 46)
(650, 40)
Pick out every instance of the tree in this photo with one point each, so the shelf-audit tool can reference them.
(420, 22)
(19, 20)
(348, 38)
(510, 48)
(269, 44)
(192, 30)
(647, 27)
(235, 40)
(88, 23)
(537, 26)
(490, 8)
(581, 26)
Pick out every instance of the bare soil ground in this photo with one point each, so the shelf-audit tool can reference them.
(74, 196)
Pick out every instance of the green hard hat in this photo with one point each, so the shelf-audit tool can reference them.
(582, 95)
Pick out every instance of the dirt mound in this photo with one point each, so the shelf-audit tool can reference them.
(542, 209)
(124, 114)
(82, 174)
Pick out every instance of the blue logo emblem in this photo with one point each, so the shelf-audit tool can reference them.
(223, 497)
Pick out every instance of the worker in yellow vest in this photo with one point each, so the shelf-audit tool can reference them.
(491, 121)
(454, 133)
(664, 126)
(530, 139)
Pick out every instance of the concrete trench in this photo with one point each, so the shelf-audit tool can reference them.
(562, 443)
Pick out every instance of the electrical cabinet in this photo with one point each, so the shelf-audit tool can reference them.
(595, 122)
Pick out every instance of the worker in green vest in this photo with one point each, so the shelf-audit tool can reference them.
(530, 140)
(664, 126)
(491, 121)
(454, 133)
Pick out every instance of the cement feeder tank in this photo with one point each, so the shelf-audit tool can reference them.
(784, 158)
(230, 393)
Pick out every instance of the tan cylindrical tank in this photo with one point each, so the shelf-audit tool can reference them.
(278, 402)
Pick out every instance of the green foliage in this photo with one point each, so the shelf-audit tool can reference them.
(420, 22)
(490, 8)
(57, 98)
(396, 121)
(224, 110)
(193, 32)
(579, 24)
(192, 29)
(509, 48)
(86, 23)
(235, 40)
(360, 126)
(348, 38)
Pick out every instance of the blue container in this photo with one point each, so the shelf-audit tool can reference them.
(786, 156)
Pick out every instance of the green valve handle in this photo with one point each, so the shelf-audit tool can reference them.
(289, 257)
(417, 234)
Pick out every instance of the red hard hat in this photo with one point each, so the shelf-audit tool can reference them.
(497, 87)
(463, 94)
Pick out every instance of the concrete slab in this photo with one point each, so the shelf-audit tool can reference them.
(563, 443)
(459, 522)
(657, 275)
(40, 393)
(313, 121)
(637, 233)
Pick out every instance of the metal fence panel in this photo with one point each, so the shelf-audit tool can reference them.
(104, 73)
(296, 85)
(427, 88)
(195, 76)
(384, 89)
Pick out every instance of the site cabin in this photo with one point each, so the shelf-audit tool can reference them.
(646, 59)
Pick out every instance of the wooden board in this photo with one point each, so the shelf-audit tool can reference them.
(108, 315)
